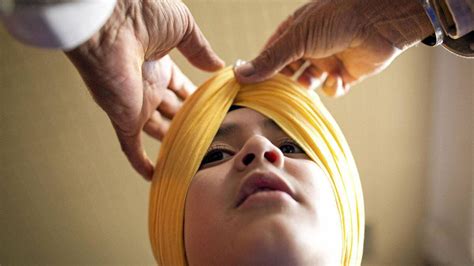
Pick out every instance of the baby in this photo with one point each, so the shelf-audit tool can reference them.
(255, 175)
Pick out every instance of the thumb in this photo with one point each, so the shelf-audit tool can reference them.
(195, 47)
(284, 50)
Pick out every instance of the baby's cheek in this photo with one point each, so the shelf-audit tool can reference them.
(203, 211)
(318, 192)
(310, 178)
(323, 193)
(197, 213)
(327, 213)
(196, 201)
(202, 201)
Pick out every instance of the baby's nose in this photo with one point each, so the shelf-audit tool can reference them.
(258, 150)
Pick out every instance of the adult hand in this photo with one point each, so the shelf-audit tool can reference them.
(127, 70)
(345, 41)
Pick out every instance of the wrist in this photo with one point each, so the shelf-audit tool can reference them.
(106, 38)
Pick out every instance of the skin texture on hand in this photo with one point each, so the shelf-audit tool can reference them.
(344, 40)
(129, 74)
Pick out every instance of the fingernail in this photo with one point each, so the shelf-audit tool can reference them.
(339, 88)
(245, 70)
(238, 63)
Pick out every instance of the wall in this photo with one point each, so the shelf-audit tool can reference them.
(449, 230)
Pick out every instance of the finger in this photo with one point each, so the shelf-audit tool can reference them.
(287, 71)
(290, 69)
(180, 84)
(314, 77)
(157, 126)
(333, 86)
(132, 147)
(288, 48)
(305, 80)
(347, 77)
(310, 82)
(169, 105)
(335, 66)
(316, 73)
(298, 67)
(295, 66)
(329, 64)
(347, 80)
(197, 49)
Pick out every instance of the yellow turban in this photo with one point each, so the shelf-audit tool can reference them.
(299, 112)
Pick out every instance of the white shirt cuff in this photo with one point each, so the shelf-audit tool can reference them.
(59, 25)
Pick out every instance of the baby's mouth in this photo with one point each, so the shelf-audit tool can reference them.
(262, 182)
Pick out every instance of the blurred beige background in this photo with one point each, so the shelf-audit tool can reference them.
(68, 194)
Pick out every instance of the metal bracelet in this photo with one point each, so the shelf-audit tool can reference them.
(437, 37)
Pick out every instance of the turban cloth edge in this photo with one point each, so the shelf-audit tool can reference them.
(299, 112)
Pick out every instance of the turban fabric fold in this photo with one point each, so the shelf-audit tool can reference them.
(299, 112)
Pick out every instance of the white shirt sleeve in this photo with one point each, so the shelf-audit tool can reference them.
(63, 24)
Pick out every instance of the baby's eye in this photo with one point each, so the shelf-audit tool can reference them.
(289, 146)
(215, 155)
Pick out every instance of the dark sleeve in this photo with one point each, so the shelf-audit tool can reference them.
(457, 19)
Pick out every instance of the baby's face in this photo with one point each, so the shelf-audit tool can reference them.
(259, 200)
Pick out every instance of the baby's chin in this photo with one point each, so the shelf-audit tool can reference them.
(277, 238)
(275, 241)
